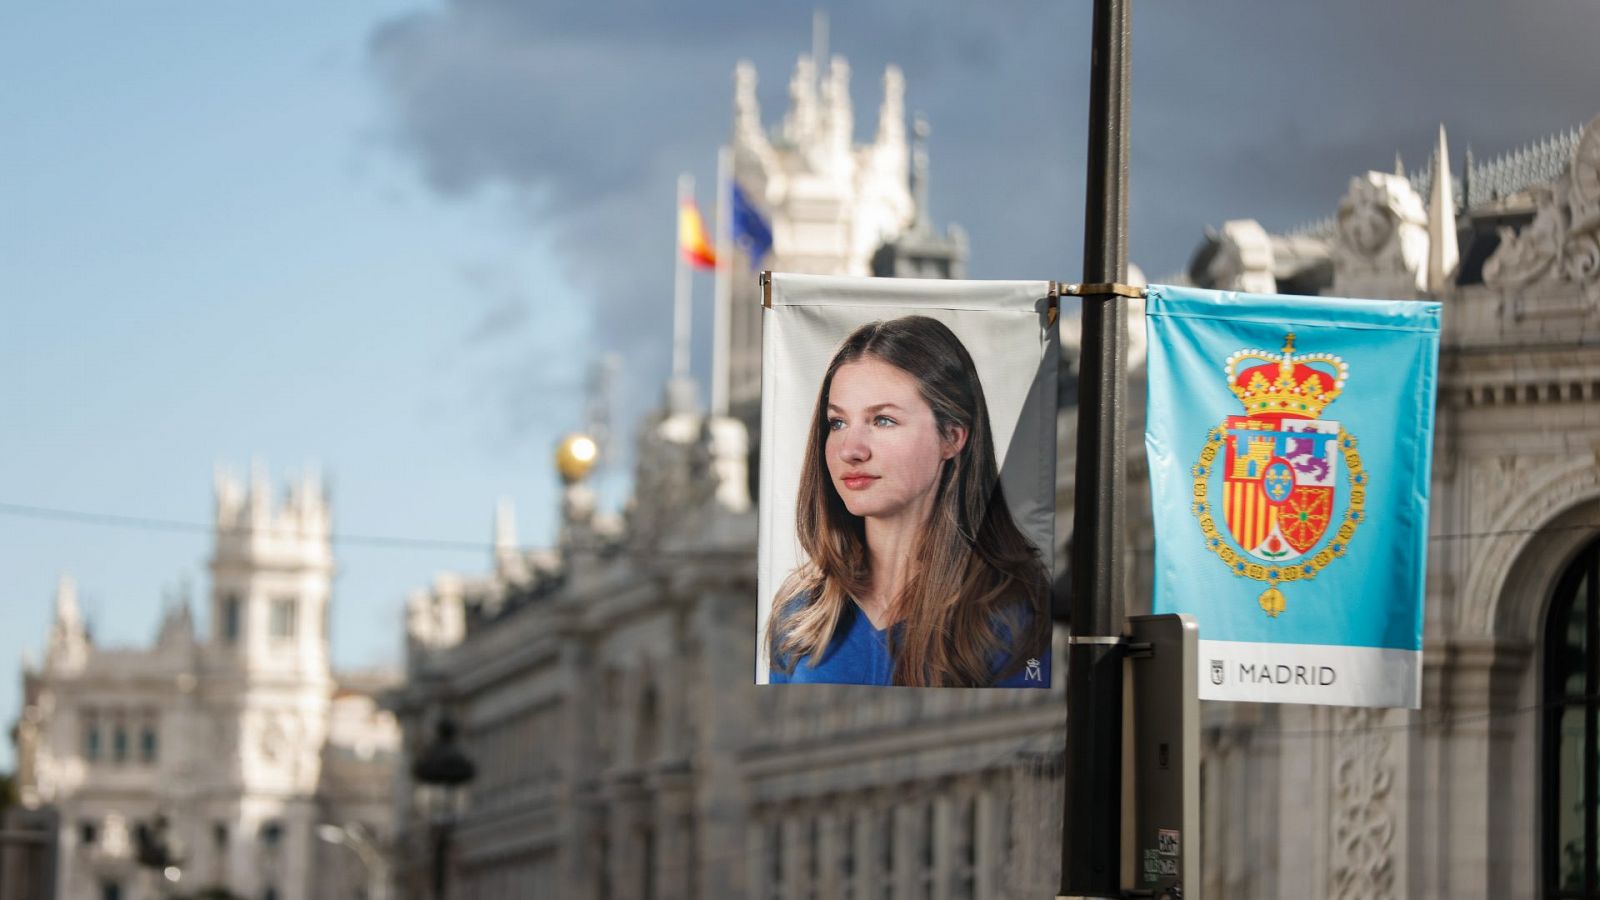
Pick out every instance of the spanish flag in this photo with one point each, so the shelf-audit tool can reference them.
(692, 237)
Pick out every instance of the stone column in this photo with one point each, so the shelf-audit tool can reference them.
(675, 856)
(1482, 775)
(1304, 800)
(570, 750)
(724, 619)
(945, 844)
(831, 834)
(758, 849)
(795, 847)
(627, 822)
(875, 844)
(989, 848)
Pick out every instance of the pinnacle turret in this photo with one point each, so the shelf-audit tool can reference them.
(746, 108)
(177, 623)
(841, 119)
(919, 176)
(892, 111)
(1443, 251)
(69, 636)
(800, 123)
(509, 563)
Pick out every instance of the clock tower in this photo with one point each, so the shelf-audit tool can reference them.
(271, 683)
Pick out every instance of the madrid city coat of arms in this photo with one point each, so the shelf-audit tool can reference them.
(1279, 468)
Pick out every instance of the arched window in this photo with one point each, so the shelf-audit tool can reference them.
(1572, 731)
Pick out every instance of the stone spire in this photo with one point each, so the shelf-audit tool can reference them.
(892, 112)
(919, 175)
(746, 108)
(1443, 251)
(69, 638)
(509, 564)
(841, 118)
(258, 502)
(505, 525)
(229, 496)
(177, 624)
(800, 124)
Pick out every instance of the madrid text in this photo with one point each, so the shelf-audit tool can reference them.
(1265, 673)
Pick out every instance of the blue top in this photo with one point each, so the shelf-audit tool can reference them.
(859, 654)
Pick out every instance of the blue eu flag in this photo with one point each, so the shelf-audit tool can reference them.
(750, 230)
(1289, 441)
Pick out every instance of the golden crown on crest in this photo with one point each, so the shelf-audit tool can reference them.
(1286, 384)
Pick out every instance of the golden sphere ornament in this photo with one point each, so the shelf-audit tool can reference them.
(575, 456)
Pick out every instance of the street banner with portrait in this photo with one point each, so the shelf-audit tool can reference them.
(1289, 442)
(907, 498)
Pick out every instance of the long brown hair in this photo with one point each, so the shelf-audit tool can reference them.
(977, 591)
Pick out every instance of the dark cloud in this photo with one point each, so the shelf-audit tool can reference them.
(1240, 109)
(1267, 110)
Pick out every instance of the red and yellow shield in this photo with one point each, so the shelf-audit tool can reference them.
(1277, 485)
(1280, 464)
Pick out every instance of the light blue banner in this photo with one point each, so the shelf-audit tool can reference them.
(1289, 441)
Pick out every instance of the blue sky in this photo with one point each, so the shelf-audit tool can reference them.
(210, 255)
(391, 236)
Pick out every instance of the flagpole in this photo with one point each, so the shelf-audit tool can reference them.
(723, 294)
(681, 287)
(1091, 840)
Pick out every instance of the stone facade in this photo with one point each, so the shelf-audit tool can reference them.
(1444, 801)
(239, 743)
(623, 751)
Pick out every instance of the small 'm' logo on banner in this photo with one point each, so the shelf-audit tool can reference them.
(1279, 464)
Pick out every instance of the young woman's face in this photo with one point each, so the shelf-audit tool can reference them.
(884, 448)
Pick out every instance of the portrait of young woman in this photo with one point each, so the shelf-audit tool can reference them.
(914, 571)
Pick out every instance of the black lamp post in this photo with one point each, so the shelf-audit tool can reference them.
(445, 767)
(155, 849)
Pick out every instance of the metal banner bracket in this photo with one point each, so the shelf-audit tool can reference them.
(1132, 291)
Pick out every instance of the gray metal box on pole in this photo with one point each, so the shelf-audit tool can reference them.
(1163, 658)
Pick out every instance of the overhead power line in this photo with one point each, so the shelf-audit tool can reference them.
(150, 523)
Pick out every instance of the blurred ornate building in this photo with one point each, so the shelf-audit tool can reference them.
(1480, 793)
(602, 687)
(201, 763)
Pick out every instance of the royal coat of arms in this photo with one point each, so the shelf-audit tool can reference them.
(1279, 467)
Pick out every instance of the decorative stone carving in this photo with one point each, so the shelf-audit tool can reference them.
(892, 111)
(1558, 253)
(753, 157)
(674, 479)
(728, 445)
(1525, 258)
(746, 108)
(1242, 259)
(800, 125)
(1380, 246)
(1363, 789)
